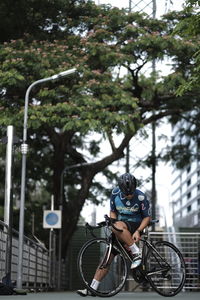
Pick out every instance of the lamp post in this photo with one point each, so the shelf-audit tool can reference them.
(24, 150)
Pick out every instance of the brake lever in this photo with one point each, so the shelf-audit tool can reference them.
(111, 221)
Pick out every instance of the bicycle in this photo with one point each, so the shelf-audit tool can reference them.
(162, 265)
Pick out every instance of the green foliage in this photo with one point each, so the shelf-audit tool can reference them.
(111, 93)
(194, 79)
(189, 30)
(65, 102)
(43, 19)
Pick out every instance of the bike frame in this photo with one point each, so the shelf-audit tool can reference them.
(146, 247)
(113, 240)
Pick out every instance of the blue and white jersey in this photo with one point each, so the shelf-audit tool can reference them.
(134, 210)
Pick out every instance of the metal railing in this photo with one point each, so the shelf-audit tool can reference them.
(35, 260)
(189, 245)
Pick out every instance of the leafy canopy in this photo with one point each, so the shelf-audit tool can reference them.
(112, 92)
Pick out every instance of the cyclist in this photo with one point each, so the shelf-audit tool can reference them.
(130, 207)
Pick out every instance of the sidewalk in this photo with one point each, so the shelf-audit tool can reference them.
(120, 296)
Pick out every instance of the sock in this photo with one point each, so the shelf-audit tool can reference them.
(134, 249)
(95, 284)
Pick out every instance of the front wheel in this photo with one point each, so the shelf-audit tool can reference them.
(92, 258)
(165, 269)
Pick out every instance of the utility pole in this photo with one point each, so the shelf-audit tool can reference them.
(8, 202)
(127, 166)
(148, 6)
(153, 192)
(128, 159)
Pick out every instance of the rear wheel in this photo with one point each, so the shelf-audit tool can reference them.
(165, 269)
(93, 256)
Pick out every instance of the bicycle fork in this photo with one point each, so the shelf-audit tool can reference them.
(106, 258)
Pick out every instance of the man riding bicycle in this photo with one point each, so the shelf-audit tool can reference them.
(130, 207)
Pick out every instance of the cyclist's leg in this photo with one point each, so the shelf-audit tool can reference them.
(124, 236)
(101, 273)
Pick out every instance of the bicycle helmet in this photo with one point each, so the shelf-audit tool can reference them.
(127, 183)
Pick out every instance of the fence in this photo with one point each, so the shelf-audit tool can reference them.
(35, 260)
(189, 245)
(40, 267)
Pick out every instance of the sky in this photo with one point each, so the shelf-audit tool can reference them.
(161, 5)
(140, 147)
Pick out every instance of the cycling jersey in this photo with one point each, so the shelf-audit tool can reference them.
(134, 210)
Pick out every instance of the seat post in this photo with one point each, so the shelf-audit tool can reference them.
(146, 233)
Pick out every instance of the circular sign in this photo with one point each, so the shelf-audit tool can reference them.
(52, 218)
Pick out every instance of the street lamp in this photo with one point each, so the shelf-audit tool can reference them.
(24, 150)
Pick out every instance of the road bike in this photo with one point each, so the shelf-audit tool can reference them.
(162, 265)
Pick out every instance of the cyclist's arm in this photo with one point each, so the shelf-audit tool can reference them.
(144, 224)
(113, 215)
(146, 214)
(113, 212)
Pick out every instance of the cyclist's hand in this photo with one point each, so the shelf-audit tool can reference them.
(136, 236)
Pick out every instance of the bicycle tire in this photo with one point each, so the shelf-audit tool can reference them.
(167, 275)
(91, 256)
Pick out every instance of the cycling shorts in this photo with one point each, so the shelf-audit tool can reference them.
(132, 226)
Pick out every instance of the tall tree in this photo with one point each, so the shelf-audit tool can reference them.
(109, 95)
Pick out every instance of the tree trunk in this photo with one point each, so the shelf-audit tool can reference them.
(72, 207)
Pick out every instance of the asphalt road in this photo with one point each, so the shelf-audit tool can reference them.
(120, 296)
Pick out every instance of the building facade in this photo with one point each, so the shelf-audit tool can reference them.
(185, 185)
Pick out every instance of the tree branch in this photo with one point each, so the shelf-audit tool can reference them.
(111, 141)
(100, 165)
(160, 115)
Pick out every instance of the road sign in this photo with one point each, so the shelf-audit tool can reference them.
(52, 219)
